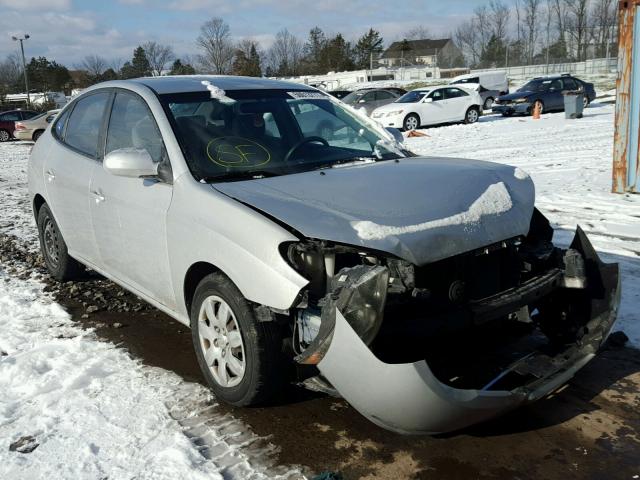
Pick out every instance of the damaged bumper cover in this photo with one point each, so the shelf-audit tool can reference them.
(408, 398)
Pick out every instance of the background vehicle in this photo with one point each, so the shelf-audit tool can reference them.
(431, 106)
(340, 94)
(384, 273)
(491, 85)
(8, 119)
(32, 129)
(370, 99)
(545, 91)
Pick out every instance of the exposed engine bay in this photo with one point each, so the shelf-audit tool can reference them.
(506, 317)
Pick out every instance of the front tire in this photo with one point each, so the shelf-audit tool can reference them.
(472, 115)
(411, 122)
(60, 264)
(240, 357)
(488, 103)
(4, 136)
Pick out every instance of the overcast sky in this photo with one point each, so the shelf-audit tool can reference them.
(67, 30)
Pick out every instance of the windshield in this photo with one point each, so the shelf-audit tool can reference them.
(536, 86)
(413, 97)
(260, 133)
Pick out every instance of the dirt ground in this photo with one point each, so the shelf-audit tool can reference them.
(590, 430)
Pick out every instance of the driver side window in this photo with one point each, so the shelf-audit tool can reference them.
(131, 125)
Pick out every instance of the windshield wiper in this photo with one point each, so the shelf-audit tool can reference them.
(244, 175)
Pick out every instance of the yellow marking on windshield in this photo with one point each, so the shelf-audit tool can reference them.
(237, 152)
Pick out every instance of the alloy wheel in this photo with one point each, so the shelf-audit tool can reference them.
(411, 123)
(472, 116)
(221, 342)
(51, 243)
(4, 136)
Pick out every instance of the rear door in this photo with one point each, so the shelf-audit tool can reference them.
(457, 103)
(129, 214)
(554, 98)
(68, 170)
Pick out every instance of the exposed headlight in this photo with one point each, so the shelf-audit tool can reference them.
(395, 112)
(521, 100)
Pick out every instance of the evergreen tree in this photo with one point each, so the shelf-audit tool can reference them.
(47, 76)
(494, 53)
(339, 54)
(247, 60)
(138, 66)
(315, 52)
(179, 68)
(368, 44)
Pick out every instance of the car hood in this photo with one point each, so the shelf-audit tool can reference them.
(418, 209)
(516, 95)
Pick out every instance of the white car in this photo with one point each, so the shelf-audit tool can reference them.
(431, 106)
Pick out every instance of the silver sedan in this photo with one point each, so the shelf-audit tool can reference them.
(425, 291)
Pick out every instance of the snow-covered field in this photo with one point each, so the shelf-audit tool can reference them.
(89, 409)
(95, 412)
(570, 162)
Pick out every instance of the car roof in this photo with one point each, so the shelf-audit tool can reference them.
(193, 83)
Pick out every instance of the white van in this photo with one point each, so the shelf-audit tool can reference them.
(490, 85)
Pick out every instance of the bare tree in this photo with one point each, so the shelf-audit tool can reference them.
(116, 64)
(10, 71)
(531, 27)
(466, 39)
(215, 41)
(158, 56)
(418, 33)
(94, 65)
(577, 26)
(604, 25)
(286, 53)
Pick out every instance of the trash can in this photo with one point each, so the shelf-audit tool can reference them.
(573, 104)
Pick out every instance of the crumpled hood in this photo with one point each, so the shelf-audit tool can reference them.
(419, 209)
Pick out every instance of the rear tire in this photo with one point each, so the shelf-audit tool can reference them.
(241, 358)
(4, 136)
(36, 135)
(472, 115)
(60, 264)
(411, 122)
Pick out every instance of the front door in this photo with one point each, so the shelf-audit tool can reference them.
(434, 108)
(129, 214)
(68, 173)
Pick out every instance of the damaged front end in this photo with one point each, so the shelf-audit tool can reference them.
(438, 347)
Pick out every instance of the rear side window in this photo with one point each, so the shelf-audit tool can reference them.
(455, 93)
(85, 122)
(570, 84)
(10, 117)
(131, 125)
(29, 115)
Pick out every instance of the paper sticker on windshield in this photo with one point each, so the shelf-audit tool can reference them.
(237, 152)
(307, 95)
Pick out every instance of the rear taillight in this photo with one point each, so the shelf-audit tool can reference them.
(20, 126)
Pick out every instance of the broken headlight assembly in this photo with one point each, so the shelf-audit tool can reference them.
(358, 290)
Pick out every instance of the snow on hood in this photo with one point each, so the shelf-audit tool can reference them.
(494, 201)
(420, 209)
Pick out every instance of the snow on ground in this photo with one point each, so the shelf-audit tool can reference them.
(570, 162)
(93, 411)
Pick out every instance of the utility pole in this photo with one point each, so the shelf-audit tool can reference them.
(24, 66)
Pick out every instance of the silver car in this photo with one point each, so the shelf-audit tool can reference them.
(33, 128)
(425, 291)
(370, 99)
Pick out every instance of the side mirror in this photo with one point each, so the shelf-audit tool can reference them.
(428, 100)
(130, 162)
(362, 101)
(397, 134)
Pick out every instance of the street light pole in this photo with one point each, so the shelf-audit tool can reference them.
(24, 66)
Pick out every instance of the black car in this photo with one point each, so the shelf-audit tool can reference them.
(546, 91)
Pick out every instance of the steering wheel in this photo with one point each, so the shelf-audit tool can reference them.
(302, 142)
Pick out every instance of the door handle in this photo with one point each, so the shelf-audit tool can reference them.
(99, 197)
(50, 175)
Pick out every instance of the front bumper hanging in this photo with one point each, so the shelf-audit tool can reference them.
(409, 399)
